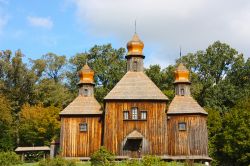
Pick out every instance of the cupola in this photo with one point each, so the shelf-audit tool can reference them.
(135, 54)
(181, 74)
(86, 75)
(135, 46)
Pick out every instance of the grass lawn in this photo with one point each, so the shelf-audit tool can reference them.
(36, 164)
(118, 164)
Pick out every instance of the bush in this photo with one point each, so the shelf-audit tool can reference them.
(58, 161)
(102, 157)
(9, 158)
(152, 161)
(133, 162)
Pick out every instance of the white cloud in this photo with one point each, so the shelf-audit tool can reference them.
(40, 22)
(164, 25)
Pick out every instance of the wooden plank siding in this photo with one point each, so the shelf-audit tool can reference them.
(192, 141)
(76, 143)
(154, 129)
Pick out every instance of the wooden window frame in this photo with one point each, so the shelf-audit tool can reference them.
(182, 126)
(135, 66)
(85, 92)
(124, 113)
(182, 92)
(83, 127)
(146, 115)
(134, 114)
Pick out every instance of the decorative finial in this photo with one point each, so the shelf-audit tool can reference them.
(135, 26)
(180, 52)
(86, 63)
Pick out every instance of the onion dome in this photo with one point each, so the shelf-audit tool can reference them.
(135, 46)
(181, 74)
(86, 75)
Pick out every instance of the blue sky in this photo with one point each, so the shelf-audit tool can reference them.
(60, 34)
(66, 27)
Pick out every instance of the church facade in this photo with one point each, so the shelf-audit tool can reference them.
(135, 120)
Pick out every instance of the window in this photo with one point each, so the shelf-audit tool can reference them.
(85, 92)
(83, 126)
(125, 115)
(144, 115)
(135, 66)
(182, 126)
(134, 113)
(182, 92)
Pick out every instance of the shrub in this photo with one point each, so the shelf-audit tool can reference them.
(133, 162)
(9, 158)
(102, 157)
(58, 161)
(152, 161)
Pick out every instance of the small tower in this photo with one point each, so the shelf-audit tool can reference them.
(81, 120)
(135, 55)
(187, 122)
(86, 83)
(182, 83)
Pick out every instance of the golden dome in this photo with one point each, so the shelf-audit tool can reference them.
(86, 75)
(135, 46)
(181, 74)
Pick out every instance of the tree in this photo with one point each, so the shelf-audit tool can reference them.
(54, 65)
(6, 121)
(51, 93)
(236, 135)
(17, 80)
(38, 125)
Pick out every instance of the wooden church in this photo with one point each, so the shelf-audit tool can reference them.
(135, 120)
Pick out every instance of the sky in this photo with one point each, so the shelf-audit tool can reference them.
(67, 27)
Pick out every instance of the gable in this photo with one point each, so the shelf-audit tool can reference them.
(135, 86)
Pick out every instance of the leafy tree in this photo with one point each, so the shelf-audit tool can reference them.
(53, 93)
(54, 65)
(38, 125)
(6, 121)
(236, 135)
(17, 81)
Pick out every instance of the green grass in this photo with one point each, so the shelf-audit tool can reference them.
(118, 164)
(36, 164)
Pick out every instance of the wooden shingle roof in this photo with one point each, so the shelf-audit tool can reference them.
(135, 86)
(135, 135)
(32, 148)
(82, 105)
(185, 105)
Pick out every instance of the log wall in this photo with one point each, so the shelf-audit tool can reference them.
(193, 141)
(76, 143)
(154, 129)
